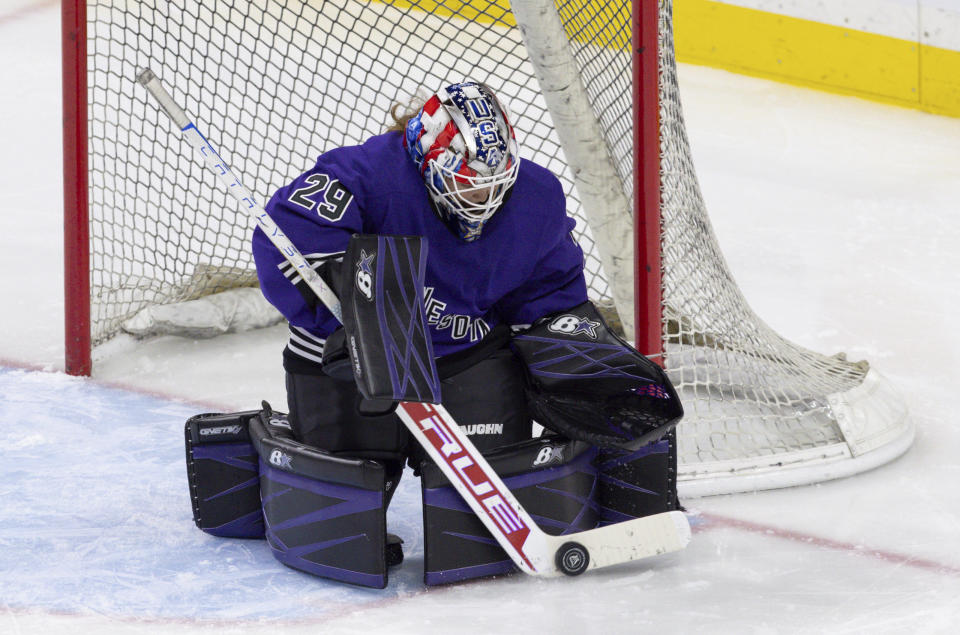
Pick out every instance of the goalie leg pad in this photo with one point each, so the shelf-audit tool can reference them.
(638, 483)
(223, 475)
(324, 514)
(553, 478)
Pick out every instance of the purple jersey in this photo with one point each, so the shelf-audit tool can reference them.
(524, 266)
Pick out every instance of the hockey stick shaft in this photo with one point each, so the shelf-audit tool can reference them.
(530, 548)
(219, 167)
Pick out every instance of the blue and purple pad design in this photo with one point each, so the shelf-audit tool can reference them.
(566, 486)
(384, 319)
(553, 478)
(324, 515)
(331, 530)
(223, 475)
(320, 514)
(637, 483)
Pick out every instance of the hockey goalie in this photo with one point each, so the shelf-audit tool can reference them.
(460, 284)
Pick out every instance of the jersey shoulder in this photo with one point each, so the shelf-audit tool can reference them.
(534, 175)
(363, 168)
(539, 188)
(539, 201)
(350, 182)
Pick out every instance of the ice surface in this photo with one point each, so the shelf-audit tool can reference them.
(839, 219)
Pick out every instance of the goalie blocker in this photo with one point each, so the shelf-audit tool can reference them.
(384, 325)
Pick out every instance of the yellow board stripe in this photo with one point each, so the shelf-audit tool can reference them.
(591, 21)
(597, 23)
(795, 50)
(768, 45)
(483, 11)
(940, 80)
(817, 55)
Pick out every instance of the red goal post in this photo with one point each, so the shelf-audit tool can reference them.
(594, 93)
(648, 315)
(76, 222)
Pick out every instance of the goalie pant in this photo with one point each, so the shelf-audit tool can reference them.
(482, 387)
(326, 514)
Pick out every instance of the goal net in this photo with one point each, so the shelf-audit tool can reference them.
(277, 82)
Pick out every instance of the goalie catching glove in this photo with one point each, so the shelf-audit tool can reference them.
(586, 383)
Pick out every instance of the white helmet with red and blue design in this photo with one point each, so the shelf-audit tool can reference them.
(466, 151)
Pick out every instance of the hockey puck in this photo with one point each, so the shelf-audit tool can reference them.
(572, 558)
(394, 550)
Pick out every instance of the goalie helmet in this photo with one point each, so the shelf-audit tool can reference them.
(464, 146)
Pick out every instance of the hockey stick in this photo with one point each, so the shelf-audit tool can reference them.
(531, 549)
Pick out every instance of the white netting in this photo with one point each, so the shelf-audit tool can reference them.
(274, 83)
(755, 402)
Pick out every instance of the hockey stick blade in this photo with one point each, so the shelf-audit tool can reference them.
(531, 549)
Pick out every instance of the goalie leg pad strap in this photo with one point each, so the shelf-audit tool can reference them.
(223, 475)
(324, 514)
(553, 478)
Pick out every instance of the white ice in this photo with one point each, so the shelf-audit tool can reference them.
(840, 220)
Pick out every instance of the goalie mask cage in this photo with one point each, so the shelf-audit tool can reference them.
(276, 82)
